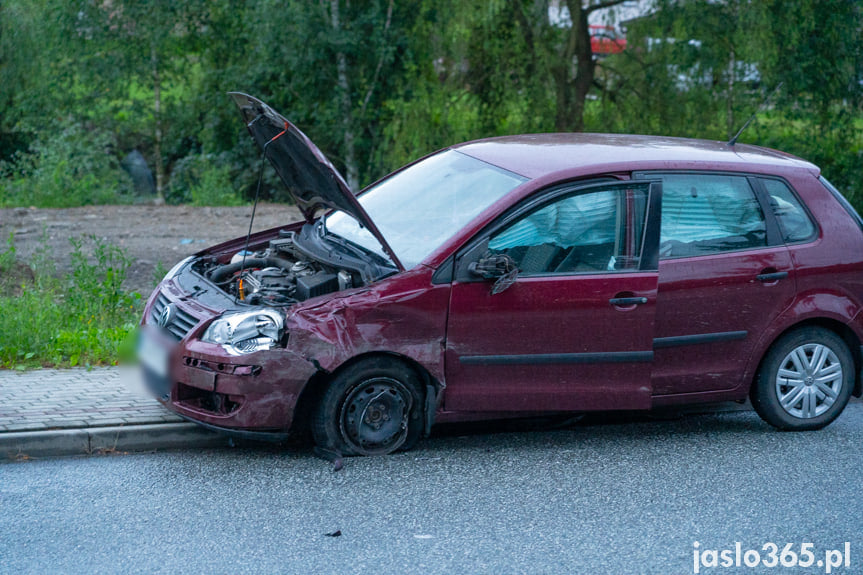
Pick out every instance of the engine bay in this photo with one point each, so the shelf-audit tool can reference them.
(278, 275)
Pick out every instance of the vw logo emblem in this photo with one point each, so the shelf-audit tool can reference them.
(166, 315)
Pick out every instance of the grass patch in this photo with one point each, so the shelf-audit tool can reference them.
(81, 318)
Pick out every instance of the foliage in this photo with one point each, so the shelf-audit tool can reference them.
(379, 83)
(7, 261)
(71, 167)
(83, 318)
(203, 180)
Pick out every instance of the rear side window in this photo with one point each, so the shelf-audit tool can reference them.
(793, 220)
(705, 214)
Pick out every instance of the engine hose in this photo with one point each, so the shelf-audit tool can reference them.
(219, 274)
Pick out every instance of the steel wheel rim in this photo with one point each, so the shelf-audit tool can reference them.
(809, 380)
(373, 418)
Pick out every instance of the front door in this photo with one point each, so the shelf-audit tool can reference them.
(575, 329)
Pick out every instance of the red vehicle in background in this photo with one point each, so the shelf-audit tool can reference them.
(606, 40)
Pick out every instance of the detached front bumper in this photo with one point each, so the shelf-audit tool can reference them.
(253, 395)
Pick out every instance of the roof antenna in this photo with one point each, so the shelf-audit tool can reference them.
(240, 293)
(733, 140)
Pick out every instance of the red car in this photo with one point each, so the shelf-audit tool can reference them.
(513, 276)
(606, 40)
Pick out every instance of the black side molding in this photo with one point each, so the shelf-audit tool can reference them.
(681, 340)
(563, 358)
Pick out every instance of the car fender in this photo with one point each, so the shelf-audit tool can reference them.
(404, 315)
(807, 307)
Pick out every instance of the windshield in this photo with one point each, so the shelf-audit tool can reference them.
(419, 208)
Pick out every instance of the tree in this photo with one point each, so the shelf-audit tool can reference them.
(699, 68)
(378, 83)
(568, 52)
(544, 50)
(142, 44)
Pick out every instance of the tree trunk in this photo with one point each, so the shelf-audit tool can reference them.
(729, 111)
(574, 72)
(352, 174)
(157, 131)
(586, 70)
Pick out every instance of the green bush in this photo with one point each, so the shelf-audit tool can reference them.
(82, 318)
(836, 149)
(202, 180)
(72, 167)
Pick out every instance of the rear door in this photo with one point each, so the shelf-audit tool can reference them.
(724, 275)
(575, 329)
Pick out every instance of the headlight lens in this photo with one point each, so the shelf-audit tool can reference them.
(246, 332)
(176, 269)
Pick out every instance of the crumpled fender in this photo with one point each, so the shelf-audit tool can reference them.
(404, 315)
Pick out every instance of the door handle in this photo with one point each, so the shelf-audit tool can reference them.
(771, 276)
(627, 301)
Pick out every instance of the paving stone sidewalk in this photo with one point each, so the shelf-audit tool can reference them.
(76, 398)
(51, 412)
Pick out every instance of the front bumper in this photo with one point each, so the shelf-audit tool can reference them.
(253, 395)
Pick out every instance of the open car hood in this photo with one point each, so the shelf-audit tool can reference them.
(310, 177)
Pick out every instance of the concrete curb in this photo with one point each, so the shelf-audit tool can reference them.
(96, 440)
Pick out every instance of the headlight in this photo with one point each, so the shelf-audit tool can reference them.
(246, 332)
(176, 269)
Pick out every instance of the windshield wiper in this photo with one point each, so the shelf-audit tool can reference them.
(352, 247)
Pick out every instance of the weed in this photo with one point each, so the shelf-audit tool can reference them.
(159, 272)
(7, 258)
(82, 318)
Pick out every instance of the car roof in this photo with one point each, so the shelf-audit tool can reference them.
(539, 155)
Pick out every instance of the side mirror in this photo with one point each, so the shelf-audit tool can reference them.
(499, 267)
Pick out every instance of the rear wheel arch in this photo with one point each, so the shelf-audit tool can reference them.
(839, 328)
(805, 379)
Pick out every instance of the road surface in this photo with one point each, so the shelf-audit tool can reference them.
(603, 497)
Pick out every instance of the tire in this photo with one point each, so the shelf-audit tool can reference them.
(373, 407)
(804, 381)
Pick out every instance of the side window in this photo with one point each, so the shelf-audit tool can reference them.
(706, 214)
(793, 220)
(595, 231)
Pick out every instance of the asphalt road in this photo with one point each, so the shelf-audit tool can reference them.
(619, 497)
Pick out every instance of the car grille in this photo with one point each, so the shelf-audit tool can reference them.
(179, 322)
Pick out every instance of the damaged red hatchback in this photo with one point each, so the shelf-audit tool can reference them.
(512, 276)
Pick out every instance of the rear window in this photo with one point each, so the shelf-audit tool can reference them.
(793, 220)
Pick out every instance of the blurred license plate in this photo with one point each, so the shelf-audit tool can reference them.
(153, 354)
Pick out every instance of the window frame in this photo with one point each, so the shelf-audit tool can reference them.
(771, 225)
(477, 245)
(816, 228)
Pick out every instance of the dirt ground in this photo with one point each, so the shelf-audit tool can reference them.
(149, 234)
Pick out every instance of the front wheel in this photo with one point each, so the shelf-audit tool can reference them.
(373, 407)
(805, 380)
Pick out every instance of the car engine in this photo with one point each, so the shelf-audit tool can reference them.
(279, 275)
